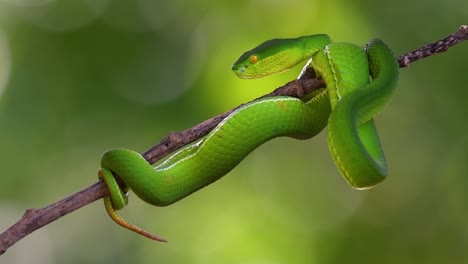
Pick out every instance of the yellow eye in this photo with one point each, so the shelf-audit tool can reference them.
(253, 59)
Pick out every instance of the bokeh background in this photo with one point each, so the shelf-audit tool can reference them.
(79, 77)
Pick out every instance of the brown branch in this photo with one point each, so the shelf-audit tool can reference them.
(34, 219)
(435, 47)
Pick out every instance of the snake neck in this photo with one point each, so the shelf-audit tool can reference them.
(344, 69)
(313, 44)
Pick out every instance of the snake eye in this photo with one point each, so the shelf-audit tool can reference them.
(253, 59)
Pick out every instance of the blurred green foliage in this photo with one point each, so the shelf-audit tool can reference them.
(80, 77)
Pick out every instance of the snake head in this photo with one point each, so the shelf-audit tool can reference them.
(277, 55)
(268, 58)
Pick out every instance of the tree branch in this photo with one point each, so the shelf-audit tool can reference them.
(34, 219)
(435, 47)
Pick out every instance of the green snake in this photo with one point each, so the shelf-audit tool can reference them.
(359, 81)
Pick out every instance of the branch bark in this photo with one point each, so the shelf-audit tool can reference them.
(34, 219)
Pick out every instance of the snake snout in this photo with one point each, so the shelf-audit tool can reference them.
(240, 70)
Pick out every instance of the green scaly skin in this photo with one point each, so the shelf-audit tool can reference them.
(348, 105)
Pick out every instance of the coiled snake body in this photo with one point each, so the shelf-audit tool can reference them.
(359, 81)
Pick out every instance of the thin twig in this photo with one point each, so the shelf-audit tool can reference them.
(34, 219)
(435, 47)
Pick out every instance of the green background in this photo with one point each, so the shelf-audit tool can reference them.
(80, 77)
